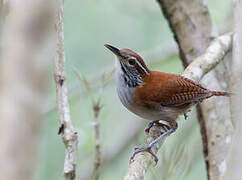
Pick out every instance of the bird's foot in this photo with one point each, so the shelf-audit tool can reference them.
(144, 149)
(149, 148)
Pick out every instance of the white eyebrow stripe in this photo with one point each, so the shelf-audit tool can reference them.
(140, 65)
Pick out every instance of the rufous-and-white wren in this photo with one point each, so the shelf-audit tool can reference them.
(155, 95)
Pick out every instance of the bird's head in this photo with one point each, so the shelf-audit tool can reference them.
(131, 64)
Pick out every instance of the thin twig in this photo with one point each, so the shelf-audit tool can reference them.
(196, 70)
(69, 135)
(96, 106)
(97, 160)
(111, 154)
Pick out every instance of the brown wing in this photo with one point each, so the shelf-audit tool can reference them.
(170, 90)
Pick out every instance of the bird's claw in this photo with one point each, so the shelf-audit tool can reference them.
(166, 131)
(144, 149)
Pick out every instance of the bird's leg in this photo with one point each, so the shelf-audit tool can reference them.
(164, 124)
(149, 147)
(151, 123)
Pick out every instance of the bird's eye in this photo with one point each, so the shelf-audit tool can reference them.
(131, 61)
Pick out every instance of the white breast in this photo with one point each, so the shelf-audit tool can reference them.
(125, 93)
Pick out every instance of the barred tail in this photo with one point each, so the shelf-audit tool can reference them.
(218, 93)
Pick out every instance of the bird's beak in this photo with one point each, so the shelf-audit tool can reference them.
(115, 50)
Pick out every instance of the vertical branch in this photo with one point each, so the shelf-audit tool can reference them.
(69, 136)
(203, 131)
(24, 64)
(234, 160)
(96, 109)
(97, 160)
(188, 19)
(111, 154)
(192, 28)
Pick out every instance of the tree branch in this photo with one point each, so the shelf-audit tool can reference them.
(213, 55)
(234, 160)
(193, 31)
(69, 135)
(195, 71)
(209, 60)
(24, 65)
(97, 160)
(190, 19)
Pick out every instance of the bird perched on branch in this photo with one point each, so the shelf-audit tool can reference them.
(156, 96)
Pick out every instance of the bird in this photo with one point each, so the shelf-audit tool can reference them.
(157, 96)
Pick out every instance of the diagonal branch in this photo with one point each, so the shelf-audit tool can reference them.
(69, 136)
(212, 56)
(196, 70)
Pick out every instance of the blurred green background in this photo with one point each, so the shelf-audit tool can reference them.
(140, 26)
